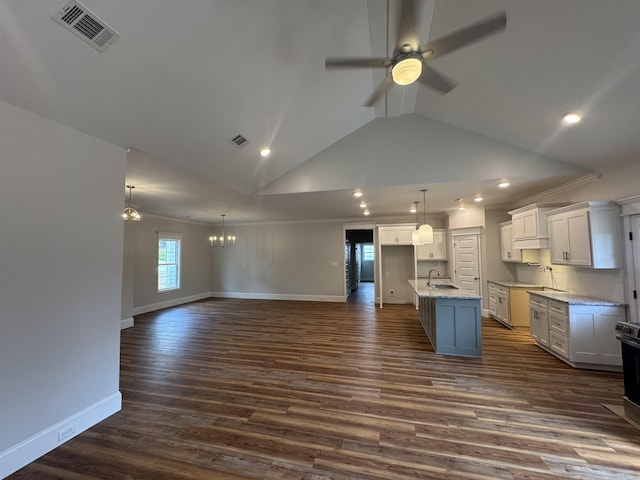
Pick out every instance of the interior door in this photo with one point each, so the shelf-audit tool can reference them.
(635, 228)
(467, 262)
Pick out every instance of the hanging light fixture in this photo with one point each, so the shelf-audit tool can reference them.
(130, 213)
(424, 235)
(222, 240)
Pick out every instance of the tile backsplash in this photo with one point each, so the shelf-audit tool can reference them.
(425, 265)
(607, 284)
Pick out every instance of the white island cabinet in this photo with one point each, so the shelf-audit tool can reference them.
(586, 235)
(579, 330)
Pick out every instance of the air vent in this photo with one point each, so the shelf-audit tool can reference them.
(83, 23)
(240, 140)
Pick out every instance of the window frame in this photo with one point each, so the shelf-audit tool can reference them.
(171, 237)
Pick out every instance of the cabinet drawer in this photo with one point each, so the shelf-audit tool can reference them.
(540, 302)
(556, 306)
(559, 343)
(559, 323)
(492, 287)
(502, 290)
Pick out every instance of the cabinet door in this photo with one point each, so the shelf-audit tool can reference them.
(593, 337)
(404, 235)
(578, 238)
(508, 253)
(539, 321)
(502, 307)
(492, 300)
(525, 225)
(439, 246)
(557, 239)
(423, 252)
(387, 236)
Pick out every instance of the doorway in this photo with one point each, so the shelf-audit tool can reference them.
(359, 265)
(466, 262)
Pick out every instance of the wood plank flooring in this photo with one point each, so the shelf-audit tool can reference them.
(251, 389)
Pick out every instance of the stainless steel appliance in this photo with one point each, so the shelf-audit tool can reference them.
(629, 335)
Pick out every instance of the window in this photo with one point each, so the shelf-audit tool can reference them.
(367, 252)
(169, 245)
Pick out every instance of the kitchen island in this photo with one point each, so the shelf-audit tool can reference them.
(451, 318)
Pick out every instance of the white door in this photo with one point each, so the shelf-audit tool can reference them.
(467, 262)
(635, 228)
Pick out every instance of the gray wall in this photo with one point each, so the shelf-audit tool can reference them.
(61, 261)
(284, 260)
(142, 250)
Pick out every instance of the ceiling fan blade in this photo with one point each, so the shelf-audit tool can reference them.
(408, 25)
(465, 36)
(436, 80)
(383, 88)
(345, 62)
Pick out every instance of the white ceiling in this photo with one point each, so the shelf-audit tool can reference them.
(185, 77)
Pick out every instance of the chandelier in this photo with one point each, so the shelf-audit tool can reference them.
(130, 213)
(222, 240)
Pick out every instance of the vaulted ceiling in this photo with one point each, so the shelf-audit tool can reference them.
(186, 77)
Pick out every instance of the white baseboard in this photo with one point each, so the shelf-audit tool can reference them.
(281, 296)
(25, 452)
(170, 303)
(126, 323)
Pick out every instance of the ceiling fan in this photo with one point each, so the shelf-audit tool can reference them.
(409, 61)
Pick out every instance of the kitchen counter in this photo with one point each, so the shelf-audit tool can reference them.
(423, 290)
(515, 284)
(576, 299)
(451, 318)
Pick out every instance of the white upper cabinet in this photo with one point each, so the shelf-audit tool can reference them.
(396, 234)
(436, 250)
(530, 230)
(508, 252)
(587, 235)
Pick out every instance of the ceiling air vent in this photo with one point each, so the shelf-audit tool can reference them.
(83, 23)
(240, 140)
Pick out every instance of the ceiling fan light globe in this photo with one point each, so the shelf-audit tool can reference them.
(407, 71)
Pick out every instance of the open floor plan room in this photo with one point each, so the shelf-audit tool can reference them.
(257, 389)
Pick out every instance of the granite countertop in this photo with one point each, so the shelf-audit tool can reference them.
(514, 284)
(422, 290)
(577, 299)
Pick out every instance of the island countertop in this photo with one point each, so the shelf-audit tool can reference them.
(422, 290)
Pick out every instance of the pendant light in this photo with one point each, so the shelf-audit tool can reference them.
(222, 240)
(425, 232)
(130, 213)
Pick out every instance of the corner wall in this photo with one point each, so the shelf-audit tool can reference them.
(61, 195)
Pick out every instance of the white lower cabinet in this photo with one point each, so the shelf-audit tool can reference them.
(582, 335)
(539, 320)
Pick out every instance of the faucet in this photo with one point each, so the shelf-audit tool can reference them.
(430, 272)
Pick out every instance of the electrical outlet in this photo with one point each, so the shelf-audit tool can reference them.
(66, 433)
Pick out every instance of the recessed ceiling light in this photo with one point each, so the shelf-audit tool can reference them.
(503, 184)
(357, 194)
(461, 208)
(366, 212)
(363, 204)
(478, 199)
(265, 152)
(571, 118)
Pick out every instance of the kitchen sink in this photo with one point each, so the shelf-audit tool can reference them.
(445, 286)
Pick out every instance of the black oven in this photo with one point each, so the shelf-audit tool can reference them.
(629, 336)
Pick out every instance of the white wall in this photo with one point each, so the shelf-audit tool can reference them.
(142, 250)
(281, 261)
(60, 289)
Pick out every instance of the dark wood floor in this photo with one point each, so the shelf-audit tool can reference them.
(249, 389)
